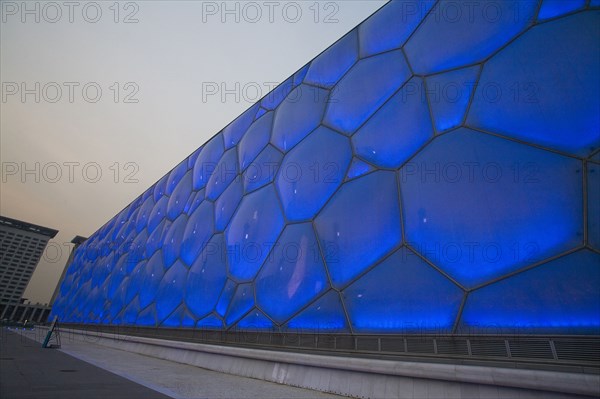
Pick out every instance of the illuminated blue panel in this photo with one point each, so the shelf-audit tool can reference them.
(312, 171)
(252, 232)
(594, 3)
(261, 112)
(159, 188)
(117, 300)
(593, 203)
(350, 244)
(525, 87)
(227, 204)
(188, 320)
(180, 196)
(225, 172)
(455, 34)
(174, 320)
(151, 275)
(449, 95)
(326, 314)
(144, 214)
(334, 62)
(358, 168)
(262, 171)
(102, 269)
(255, 320)
(376, 302)
(364, 89)
(131, 312)
(192, 158)
(301, 74)
(170, 290)
(275, 97)
(137, 251)
(481, 206)
(552, 298)
(255, 139)
(207, 161)
(298, 115)
(241, 303)
(207, 277)
(175, 176)
(136, 280)
(147, 317)
(398, 129)
(292, 275)
(155, 240)
(196, 201)
(197, 232)
(210, 322)
(225, 297)
(554, 8)
(389, 28)
(158, 213)
(172, 242)
(235, 130)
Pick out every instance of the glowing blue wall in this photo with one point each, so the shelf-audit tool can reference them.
(435, 170)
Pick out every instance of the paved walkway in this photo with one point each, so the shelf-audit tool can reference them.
(131, 371)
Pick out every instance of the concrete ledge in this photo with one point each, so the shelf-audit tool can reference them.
(358, 377)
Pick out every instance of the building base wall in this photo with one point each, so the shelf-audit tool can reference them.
(356, 377)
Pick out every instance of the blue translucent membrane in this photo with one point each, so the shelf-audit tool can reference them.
(554, 8)
(255, 139)
(174, 319)
(155, 240)
(593, 203)
(144, 214)
(158, 213)
(292, 275)
(225, 297)
(260, 112)
(180, 196)
(312, 171)
(358, 168)
(227, 203)
(481, 206)
(398, 129)
(522, 90)
(241, 303)
(151, 275)
(594, 3)
(192, 158)
(298, 115)
(552, 298)
(252, 232)
(456, 34)
(364, 89)
(276, 96)
(135, 281)
(351, 244)
(172, 241)
(175, 176)
(402, 294)
(449, 95)
(207, 277)
(131, 312)
(301, 74)
(147, 317)
(235, 130)
(197, 232)
(263, 169)
(255, 320)
(159, 188)
(170, 290)
(326, 314)
(210, 322)
(207, 161)
(195, 201)
(224, 173)
(389, 28)
(334, 62)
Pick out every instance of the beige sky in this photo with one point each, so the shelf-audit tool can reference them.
(98, 101)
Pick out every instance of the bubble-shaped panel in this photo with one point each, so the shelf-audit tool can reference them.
(312, 171)
(241, 303)
(224, 173)
(522, 90)
(155, 240)
(252, 232)
(255, 321)
(277, 95)
(159, 212)
(210, 322)
(172, 241)
(159, 188)
(554, 8)
(262, 171)
(207, 161)
(326, 314)
(255, 139)
(334, 62)
(351, 244)
(175, 176)
(358, 168)
(398, 129)
(144, 214)
(593, 205)
(227, 203)
(552, 298)
(170, 290)
(151, 275)
(292, 275)
(207, 277)
(197, 232)
(481, 206)
(179, 196)
(236, 129)
(225, 297)
(298, 115)
(456, 34)
(364, 89)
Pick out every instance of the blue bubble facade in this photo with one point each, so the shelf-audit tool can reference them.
(436, 170)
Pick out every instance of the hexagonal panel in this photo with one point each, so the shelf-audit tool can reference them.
(326, 314)
(554, 8)
(170, 290)
(172, 241)
(277, 95)
(233, 133)
(252, 232)
(144, 214)
(522, 89)
(255, 140)
(263, 170)
(226, 170)
(155, 240)
(197, 232)
(333, 63)
(255, 321)
(358, 168)
(241, 302)
(364, 89)
(311, 172)
(159, 212)
(292, 275)
(299, 114)
(179, 196)
(351, 244)
(398, 129)
(227, 203)
(175, 176)
(225, 297)
(481, 206)
(151, 275)
(207, 161)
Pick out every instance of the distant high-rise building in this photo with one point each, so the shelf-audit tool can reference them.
(21, 247)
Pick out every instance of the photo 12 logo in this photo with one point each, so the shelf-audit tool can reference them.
(252, 12)
(69, 92)
(53, 12)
